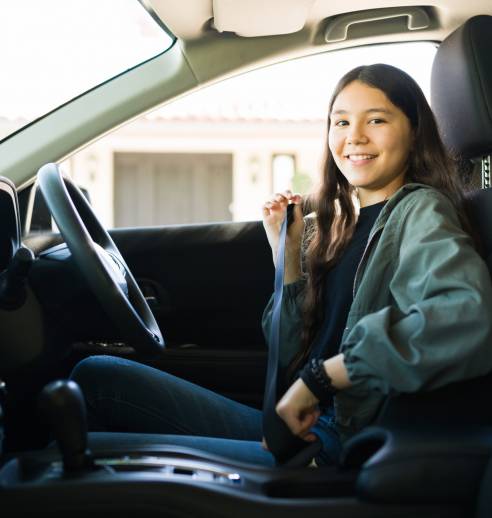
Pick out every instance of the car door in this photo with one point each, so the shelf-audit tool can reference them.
(207, 285)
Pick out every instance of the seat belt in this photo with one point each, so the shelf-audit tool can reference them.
(288, 450)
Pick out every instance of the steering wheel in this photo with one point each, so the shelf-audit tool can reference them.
(97, 257)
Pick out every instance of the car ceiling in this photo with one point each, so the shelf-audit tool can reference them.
(193, 19)
(207, 30)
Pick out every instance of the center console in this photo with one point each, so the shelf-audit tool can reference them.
(382, 474)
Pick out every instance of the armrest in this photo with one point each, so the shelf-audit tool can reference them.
(432, 466)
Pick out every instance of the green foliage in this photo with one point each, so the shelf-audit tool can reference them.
(301, 183)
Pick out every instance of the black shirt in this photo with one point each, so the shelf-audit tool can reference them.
(339, 283)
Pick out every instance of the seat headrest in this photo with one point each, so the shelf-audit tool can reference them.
(461, 88)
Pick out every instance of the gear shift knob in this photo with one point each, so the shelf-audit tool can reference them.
(63, 405)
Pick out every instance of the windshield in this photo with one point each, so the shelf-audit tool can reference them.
(54, 50)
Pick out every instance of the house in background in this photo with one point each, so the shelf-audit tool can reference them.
(199, 162)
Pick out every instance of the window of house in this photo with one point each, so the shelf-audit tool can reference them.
(283, 171)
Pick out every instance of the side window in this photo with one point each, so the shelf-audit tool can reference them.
(218, 153)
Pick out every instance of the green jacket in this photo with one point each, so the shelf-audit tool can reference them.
(420, 316)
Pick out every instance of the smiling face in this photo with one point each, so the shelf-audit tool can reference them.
(370, 139)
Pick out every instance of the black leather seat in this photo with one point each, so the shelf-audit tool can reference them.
(462, 102)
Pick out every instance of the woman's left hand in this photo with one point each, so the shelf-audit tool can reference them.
(299, 409)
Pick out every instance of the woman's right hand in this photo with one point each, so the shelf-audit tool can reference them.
(274, 212)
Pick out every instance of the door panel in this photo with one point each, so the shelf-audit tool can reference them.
(208, 286)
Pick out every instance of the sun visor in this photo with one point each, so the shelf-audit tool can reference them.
(259, 17)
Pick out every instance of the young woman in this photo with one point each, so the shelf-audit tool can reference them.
(394, 297)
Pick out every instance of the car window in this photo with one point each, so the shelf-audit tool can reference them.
(63, 49)
(218, 153)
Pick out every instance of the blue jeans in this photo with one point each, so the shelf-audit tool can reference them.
(125, 396)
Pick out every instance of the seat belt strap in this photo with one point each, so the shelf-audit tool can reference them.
(287, 449)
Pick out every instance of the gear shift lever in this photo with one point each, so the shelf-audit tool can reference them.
(63, 405)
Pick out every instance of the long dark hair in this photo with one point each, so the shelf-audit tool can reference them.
(336, 215)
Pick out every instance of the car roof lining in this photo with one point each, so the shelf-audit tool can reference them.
(212, 54)
(192, 19)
